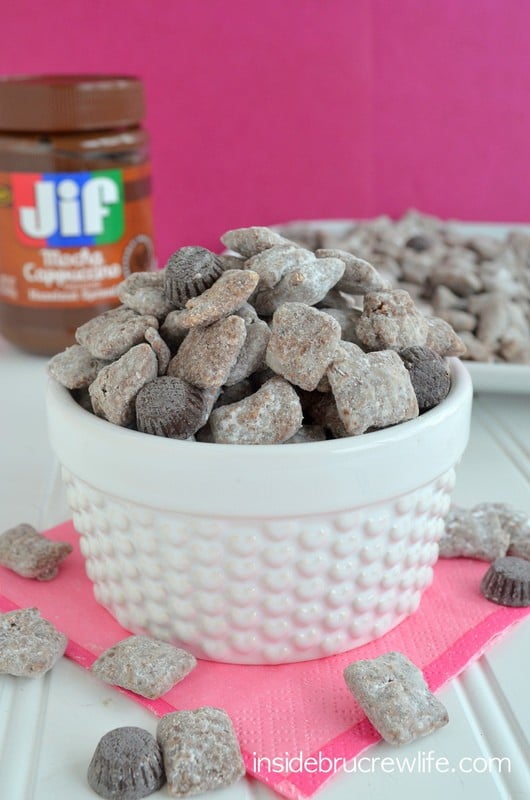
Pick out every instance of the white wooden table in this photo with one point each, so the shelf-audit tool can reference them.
(49, 727)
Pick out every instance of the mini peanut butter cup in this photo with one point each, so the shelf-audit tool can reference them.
(189, 272)
(170, 407)
(127, 765)
(507, 582)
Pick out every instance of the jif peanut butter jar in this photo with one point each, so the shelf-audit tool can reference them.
(75, 205)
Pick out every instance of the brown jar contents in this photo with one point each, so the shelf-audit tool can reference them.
(75, 209)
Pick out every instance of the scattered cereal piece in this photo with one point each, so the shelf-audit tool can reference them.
(429, 374)
(302, 344)
(474, 533)
(391, 321)
(189, 272)
(269, 416)
(29, 644)
(371, 390)
(75, 367)
(249, 242)
(170, 407)
(207, 355)
(127, 765)
(114, 391)
(160, 348)
(507, 582)
(143, 665)
(143, 292)
(111, 334)
(201, 751)
(226, 295)
(308, 284)
(30, 554)
(516, 524)
(393, 694)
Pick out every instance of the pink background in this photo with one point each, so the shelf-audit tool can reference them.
(283, 109)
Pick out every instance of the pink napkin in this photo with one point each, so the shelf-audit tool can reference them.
(297, 709)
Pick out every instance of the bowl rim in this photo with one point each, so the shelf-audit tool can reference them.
(61, 397)
(265, 481)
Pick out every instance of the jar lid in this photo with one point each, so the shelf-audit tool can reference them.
(45, 103)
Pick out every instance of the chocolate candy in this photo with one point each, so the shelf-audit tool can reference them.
(507, 582)
(170, 407)
(127, 765)
(429, 375)
(189, 272)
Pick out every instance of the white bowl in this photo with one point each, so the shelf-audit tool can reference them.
(261, 554)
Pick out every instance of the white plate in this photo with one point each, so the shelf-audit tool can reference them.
(487, 377)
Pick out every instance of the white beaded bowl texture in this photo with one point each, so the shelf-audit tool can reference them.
(261, 554)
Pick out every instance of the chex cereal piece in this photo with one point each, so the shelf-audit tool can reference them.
(114, 391)
(249, 242)
(235, 392)
(507, 582)
(111, 334)
(272, 264)
(75, 367)
(475, 349)
(308, 284)
(516, 524)
(207, 355)
(30, 554)
(442, 339)
(308, 433)
(394, 696)
(458, 320)
(127, 765)
(269, 416)
(232, 261)
(251, 357)
(371, 390)
(226, 295)
(170, 407)
(429, 374)
(144, 293)
(347, 319)
(474, 533)
(302, 344)
(189, 272)
(172, 331)
(200, 750)
(462, 281)
(321, 410)
(359, 275)
(391, 321)
(160, 348)
(29, 644)
(143, 665)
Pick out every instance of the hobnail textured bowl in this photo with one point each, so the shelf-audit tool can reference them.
(261, 554)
